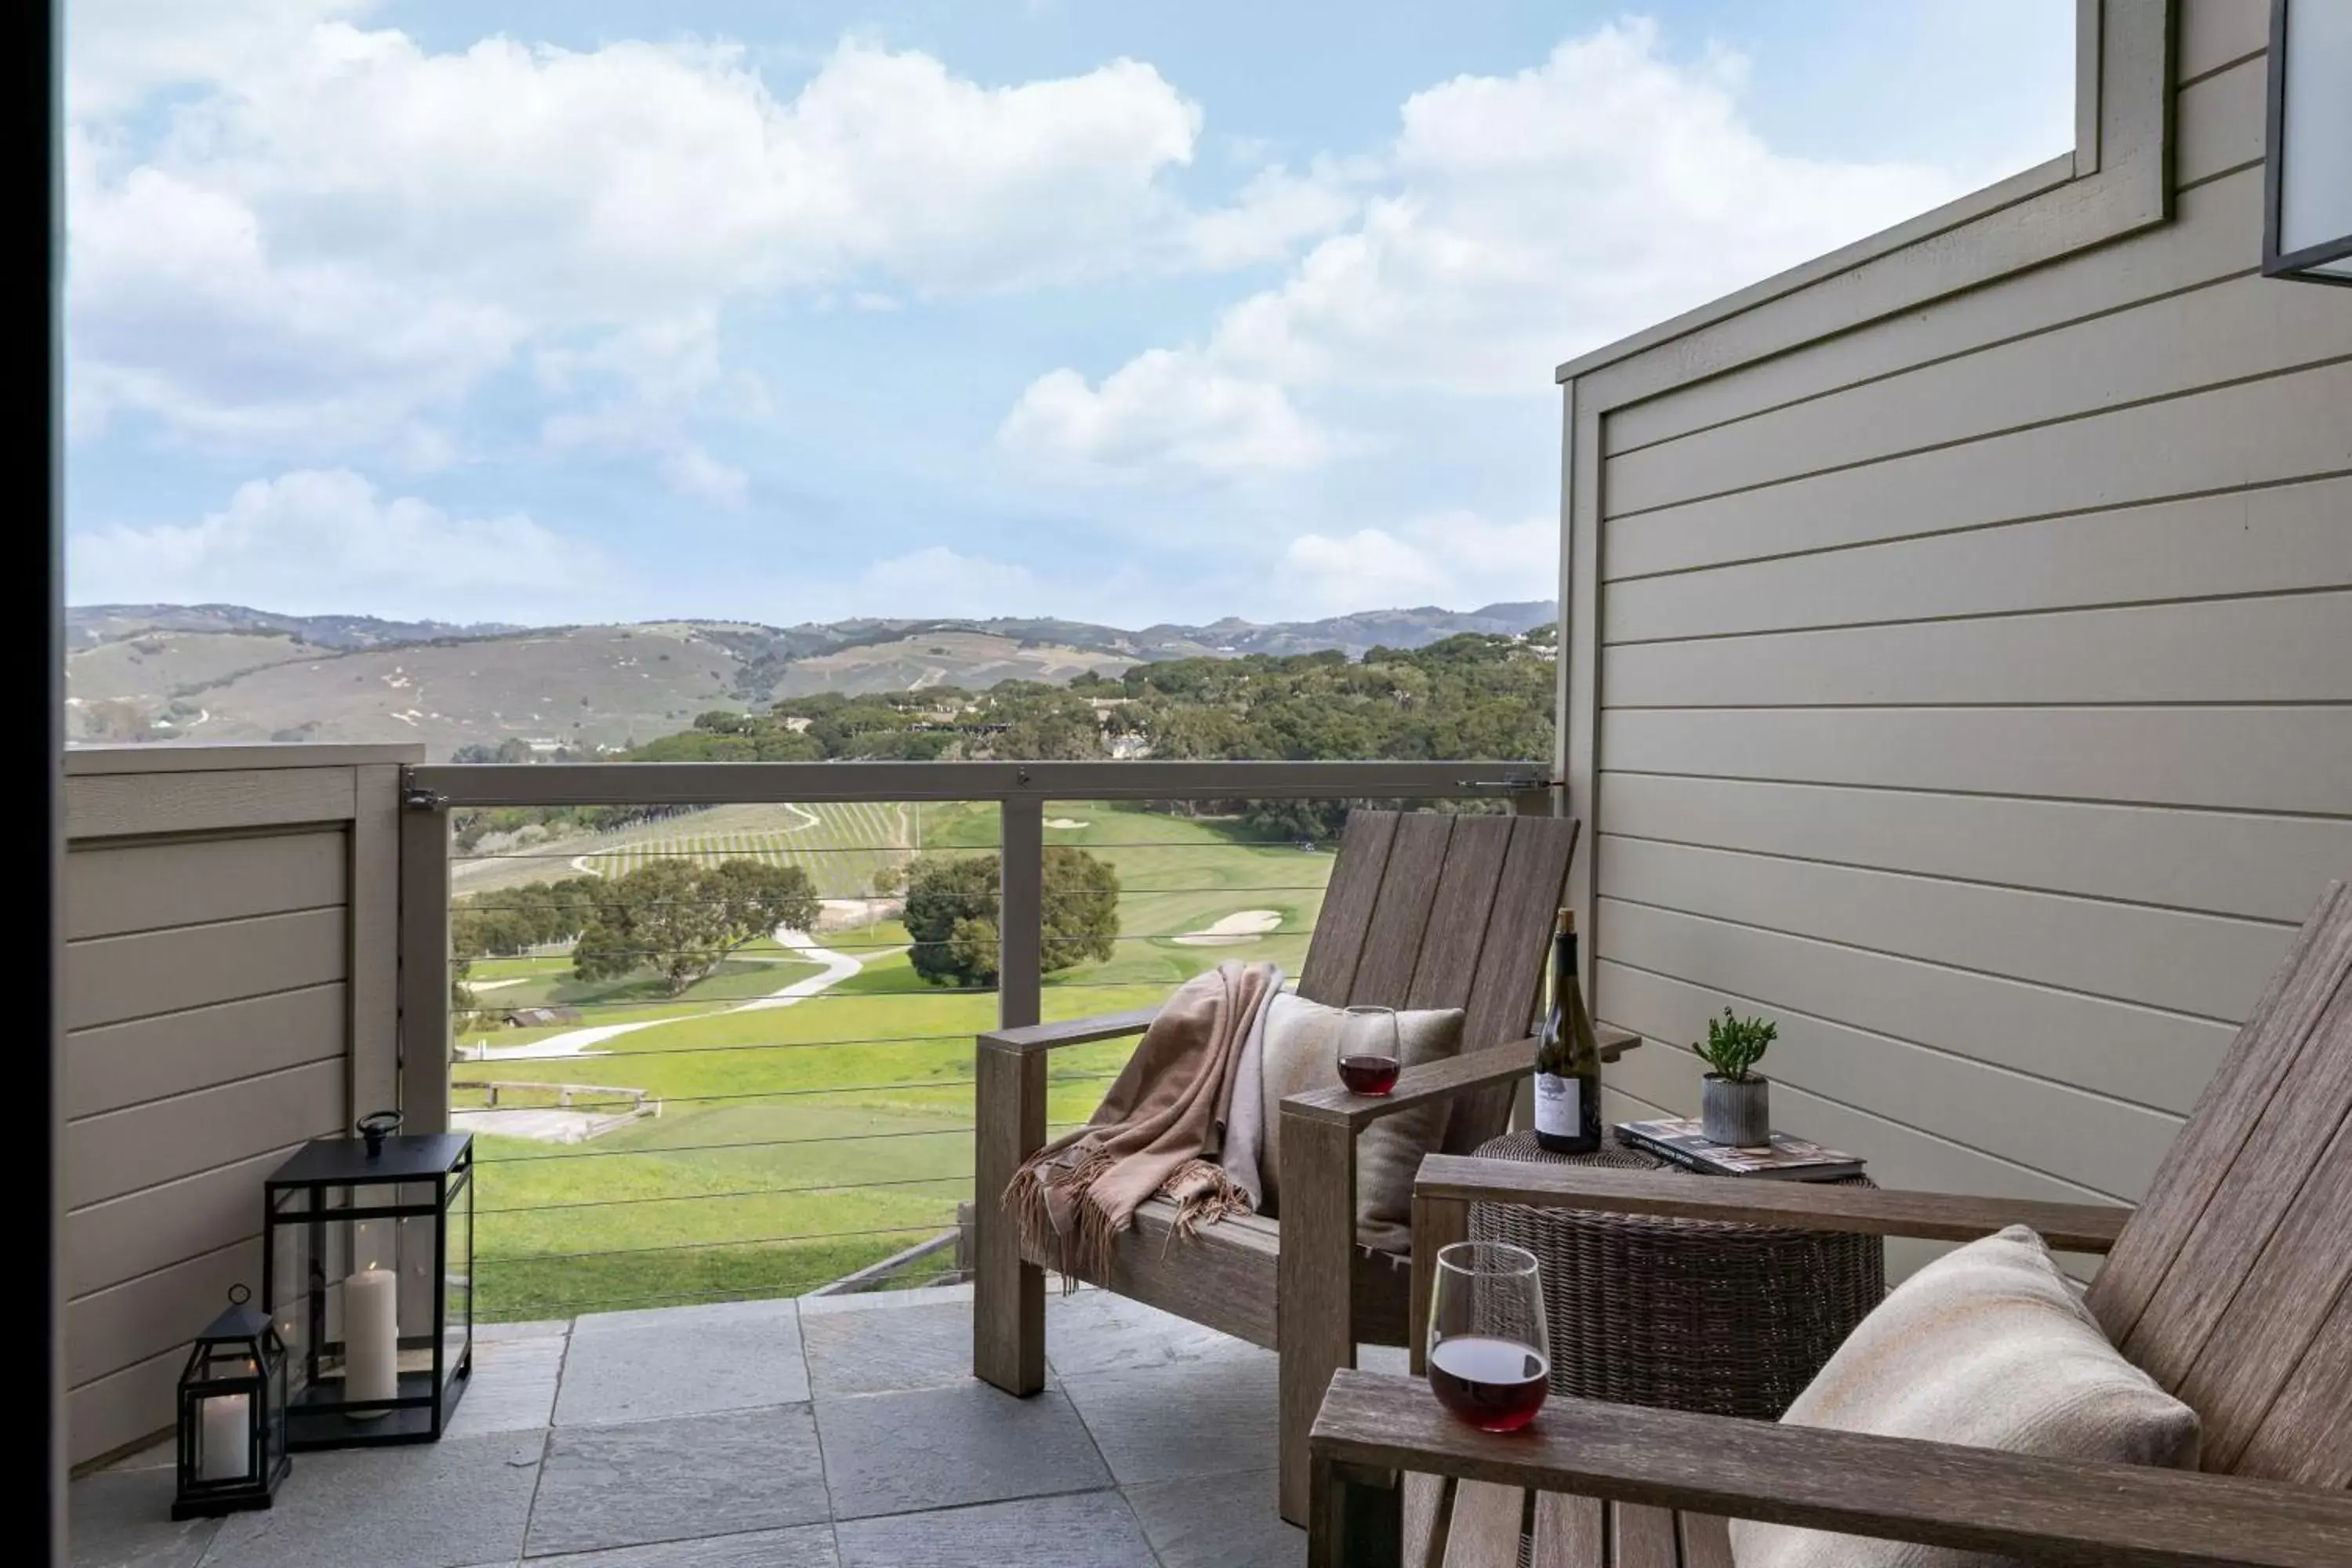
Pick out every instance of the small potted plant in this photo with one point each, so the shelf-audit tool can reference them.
(1735, 1102)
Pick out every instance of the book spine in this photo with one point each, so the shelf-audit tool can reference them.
(1671, 1156)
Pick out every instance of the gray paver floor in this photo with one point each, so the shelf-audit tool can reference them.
(820, 1434)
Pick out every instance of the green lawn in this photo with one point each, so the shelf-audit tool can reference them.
(797, 1143)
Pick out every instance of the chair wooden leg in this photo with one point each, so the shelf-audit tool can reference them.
(1356, 1523)
(1008, 1296)
(1315, 1331)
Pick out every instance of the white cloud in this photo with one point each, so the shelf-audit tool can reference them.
(698, 476)
(1162, 414)
(938, 581)
(1520, 221)
(118, 51)
(341, 232)
(1274, 212)
(1456, 559)
(304, 539)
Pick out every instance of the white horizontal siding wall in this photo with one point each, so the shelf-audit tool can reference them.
(1969, 691)
(228, 977)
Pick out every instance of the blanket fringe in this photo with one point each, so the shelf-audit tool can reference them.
(1201, 1191)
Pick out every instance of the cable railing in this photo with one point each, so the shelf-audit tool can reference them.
(792, 1110)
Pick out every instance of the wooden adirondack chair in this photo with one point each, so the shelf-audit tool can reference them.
(1423, 909)
(2232, 1284)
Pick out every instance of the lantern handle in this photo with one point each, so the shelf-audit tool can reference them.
(239, 1294)
(377, 1127)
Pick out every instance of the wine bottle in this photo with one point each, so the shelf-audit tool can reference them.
(1568, 1057)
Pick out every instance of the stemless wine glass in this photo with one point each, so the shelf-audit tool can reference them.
(1489, 1346)
(1369, 1057)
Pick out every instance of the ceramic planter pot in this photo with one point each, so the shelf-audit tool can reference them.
(1739, 1113)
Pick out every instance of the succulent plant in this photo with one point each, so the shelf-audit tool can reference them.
(1734, 1045)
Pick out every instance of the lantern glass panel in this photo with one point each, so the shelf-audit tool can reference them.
(457, 1280)
(223, 1432)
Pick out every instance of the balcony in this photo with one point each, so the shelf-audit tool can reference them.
(819, 1432)
(263, 949)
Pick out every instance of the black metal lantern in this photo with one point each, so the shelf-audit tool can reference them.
(2307, 178)
(368, 1278)
(232, 1414)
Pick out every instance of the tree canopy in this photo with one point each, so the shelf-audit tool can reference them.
(676, 917)
(681, 920)
(950, 914)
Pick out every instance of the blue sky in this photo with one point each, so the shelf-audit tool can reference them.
(571, 309)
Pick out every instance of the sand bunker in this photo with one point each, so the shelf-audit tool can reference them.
(1064, 823)
(1247, 925)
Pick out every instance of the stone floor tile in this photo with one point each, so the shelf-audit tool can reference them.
(712, 1473)
(884, 1301)
(513, 1387)
(1225, 1521)
(462, 1500)
(681, 1360)
(942, 1448)
(1183, 1418)
(530, 1329)
(877, 1353)
(1095, 1330)
(803, 1546)
(160, 1453)
(1090, 1530)
(122, 1519)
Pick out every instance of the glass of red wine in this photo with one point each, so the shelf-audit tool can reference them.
(1369, 1057)
(1489, 1346)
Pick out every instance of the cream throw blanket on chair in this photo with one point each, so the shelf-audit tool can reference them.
(1159, 1133)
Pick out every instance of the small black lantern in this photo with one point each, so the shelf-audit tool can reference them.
(368, 1278)
(2307, 173)
(232, 1414)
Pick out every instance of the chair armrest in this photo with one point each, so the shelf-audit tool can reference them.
(1419, 1085)
(1898, 1489)
(1812, 1205)
(1030, 1037)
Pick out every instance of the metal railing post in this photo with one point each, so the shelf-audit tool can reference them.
(1021, 911)
(424, 962)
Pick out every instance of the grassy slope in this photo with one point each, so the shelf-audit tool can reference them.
(869, 1084)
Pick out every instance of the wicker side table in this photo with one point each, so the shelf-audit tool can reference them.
(1702, 1315)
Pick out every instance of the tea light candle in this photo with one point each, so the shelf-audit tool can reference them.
(226, 1450)
(371, 1339)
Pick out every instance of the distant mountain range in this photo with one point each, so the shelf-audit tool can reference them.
(228, 673)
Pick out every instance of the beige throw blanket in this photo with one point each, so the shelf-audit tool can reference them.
(1158, 1133)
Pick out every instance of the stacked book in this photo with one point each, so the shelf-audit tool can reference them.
(1679, 1140)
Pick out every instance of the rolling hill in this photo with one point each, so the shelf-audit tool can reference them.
(225, 674)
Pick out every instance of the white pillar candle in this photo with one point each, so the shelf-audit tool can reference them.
(225, 1447)
(371, 1339)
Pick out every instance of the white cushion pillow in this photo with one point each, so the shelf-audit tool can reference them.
(1301, 1052)
(1988, 1346)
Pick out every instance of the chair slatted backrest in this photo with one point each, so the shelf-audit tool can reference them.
(2229, 1284)
(1438, 910)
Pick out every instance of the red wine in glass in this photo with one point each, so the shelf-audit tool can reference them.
(1496, 1386)
(1371, 1054)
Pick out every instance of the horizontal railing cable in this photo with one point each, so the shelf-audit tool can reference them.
(962, 1131)
(581, 1101)
(964, 1176)
(708, 1245)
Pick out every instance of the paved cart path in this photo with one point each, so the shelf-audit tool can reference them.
(836, 968)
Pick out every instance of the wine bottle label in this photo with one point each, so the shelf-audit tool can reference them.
(1559, 1109)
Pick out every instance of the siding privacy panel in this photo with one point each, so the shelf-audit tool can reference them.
(1974, 689)
(215, 1020)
